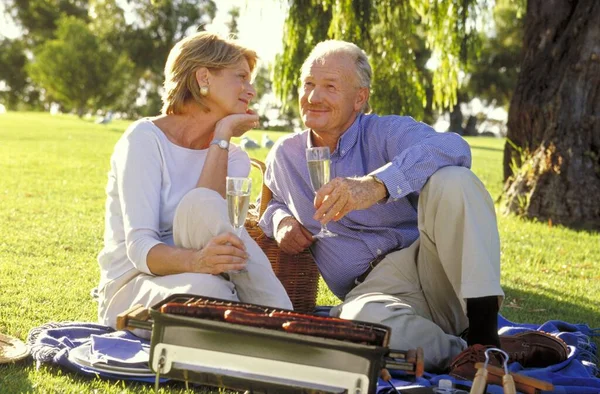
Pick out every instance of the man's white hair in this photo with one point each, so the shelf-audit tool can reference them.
(361, 62)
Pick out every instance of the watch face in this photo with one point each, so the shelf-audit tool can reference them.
(221, 144)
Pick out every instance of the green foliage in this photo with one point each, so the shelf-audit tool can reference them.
(232, 25)
(12, 72)
(107, 21)
(162, 23)
(78, 69)
(392, 33)
(39, 18)
(306, 24)
(158, 25)
(493, 71)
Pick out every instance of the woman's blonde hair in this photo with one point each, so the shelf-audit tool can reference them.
(202, 49)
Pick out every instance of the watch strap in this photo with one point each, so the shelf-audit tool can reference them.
(221, 143)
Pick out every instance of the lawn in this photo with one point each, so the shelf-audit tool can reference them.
(52, 178)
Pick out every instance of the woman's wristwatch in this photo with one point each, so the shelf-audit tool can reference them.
(223, 144)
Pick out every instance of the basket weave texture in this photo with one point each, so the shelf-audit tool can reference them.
(298, 273)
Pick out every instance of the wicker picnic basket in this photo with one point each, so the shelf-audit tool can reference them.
(298, 273)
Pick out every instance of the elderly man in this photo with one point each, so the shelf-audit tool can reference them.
(417, 245)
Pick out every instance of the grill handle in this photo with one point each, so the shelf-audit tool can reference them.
(135, 317)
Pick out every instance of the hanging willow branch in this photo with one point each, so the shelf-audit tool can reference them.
(397, 35)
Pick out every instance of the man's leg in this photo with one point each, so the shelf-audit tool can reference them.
(460, 254)
(200, 216)
(391, 295)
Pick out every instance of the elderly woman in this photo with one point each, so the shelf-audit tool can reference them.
(167, 228)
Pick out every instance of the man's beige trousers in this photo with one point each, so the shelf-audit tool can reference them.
(200, 216)
(420, 291)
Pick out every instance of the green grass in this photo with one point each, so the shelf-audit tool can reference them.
(52, 178)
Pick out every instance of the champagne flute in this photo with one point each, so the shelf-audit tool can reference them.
(319, 171)
(238, 199)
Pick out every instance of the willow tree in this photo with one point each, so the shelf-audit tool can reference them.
(392, 33)
(552, 157)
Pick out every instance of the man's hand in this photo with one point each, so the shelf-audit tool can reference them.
(342, 195)
(292, 237)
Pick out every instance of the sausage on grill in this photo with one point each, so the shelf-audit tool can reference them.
(355, 334)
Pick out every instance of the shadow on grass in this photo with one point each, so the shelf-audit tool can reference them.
(14, 377)
(526, 307)
(486, 148)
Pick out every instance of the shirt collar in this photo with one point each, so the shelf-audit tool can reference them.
(349, 138)
(346, 141)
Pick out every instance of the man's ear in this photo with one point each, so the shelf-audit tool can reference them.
(202, 76)
(361, 98)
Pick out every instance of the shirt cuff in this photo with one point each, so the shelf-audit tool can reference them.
(140, 257)
(394, 180)
(278, 216)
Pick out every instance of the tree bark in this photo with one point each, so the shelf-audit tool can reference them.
(552, 156)
(456, 120)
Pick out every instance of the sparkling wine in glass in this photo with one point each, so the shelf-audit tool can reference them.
(319, 165)
(238, 200)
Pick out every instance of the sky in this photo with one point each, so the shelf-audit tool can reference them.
(260, 24)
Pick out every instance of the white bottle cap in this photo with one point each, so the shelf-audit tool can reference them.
(445, 384)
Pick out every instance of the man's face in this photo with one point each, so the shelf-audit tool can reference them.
(330, 97)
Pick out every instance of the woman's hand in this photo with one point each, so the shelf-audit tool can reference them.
(236, 125)
(225, 252)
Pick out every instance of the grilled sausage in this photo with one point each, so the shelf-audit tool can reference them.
(253, 319)
(354, 334)
(295, 316)
(213, 312)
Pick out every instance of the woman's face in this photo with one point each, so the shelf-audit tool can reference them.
(230, 90)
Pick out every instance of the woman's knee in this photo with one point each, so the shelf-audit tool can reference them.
(201, 213)
(199, 199)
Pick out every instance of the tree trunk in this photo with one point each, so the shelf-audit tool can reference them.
(471, 126)
(456, 120)
(552, 156)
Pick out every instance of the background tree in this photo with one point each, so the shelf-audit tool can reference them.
(391, 33)
(493, 69)
(77, 69)
(39, 18)
(232, 25)
(157, 26)
(12, 72)
(552, 157)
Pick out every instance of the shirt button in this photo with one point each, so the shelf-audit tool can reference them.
(379, 252)
(343, 152)
(399, 190)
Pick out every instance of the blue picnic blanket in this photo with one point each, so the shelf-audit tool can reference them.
(53, 342)
(579, 374)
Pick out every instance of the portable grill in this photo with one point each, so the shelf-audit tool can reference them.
(250, 347)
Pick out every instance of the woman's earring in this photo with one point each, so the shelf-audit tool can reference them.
(204, 90)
